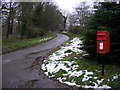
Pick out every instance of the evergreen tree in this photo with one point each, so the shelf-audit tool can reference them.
(106, 17)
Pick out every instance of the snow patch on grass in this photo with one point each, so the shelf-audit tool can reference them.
(74, 46)
(115, 77)
(44, 39)
(67, 71)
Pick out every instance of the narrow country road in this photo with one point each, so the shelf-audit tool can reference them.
(21, 69)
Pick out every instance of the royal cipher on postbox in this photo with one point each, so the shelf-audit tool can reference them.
(103, 42)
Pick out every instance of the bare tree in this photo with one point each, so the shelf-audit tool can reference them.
(72, 19)
(8, 16)
(82, 12)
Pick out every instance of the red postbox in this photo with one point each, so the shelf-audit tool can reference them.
(103, 42)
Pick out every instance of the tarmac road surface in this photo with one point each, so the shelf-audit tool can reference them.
(21, 68)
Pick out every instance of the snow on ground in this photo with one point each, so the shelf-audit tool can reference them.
(44, 39)
(54, 64)
(73, 46)
(115, 77)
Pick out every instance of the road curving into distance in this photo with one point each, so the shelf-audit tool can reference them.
(21, 69)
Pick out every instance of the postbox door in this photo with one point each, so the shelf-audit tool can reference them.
(103, 42)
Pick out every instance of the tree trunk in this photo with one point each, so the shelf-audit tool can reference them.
(8, 28)
(9, 24)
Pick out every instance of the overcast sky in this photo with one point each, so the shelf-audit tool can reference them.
(68, 5)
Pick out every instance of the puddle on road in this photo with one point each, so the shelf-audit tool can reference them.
(28, 84)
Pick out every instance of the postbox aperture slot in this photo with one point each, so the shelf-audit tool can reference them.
(101, 34)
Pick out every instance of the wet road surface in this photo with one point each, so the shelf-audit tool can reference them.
(21, 69)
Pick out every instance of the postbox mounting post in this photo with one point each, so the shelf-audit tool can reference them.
(103, 46)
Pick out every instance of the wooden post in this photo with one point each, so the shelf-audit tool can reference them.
(103, 65)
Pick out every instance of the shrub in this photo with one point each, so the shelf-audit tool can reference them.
(76, 29)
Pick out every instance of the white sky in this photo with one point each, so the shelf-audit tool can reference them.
(68, 5)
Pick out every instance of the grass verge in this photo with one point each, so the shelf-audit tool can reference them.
(77, 71)
(71, 35)
(9, 45)
(83, 64)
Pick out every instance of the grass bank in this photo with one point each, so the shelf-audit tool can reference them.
(71, 35)
(13, 44)
(69, 66)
